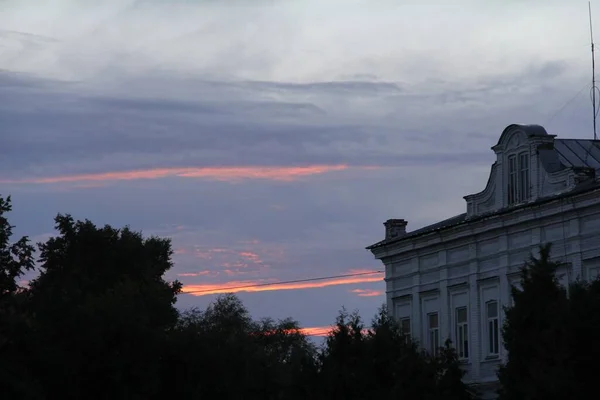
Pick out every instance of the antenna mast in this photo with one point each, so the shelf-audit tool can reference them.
(594, 88)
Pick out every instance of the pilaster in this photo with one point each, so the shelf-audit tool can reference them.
(416, 306)
(444, 307)
(474, 321)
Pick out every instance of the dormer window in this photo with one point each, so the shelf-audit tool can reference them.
(519, 188)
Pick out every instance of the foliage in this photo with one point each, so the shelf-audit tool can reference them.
(15, 260)
(221, 352)
(98, 311)
(343, 359)
(99, 321)
(584, 338)
(383, 363)
(551, 337)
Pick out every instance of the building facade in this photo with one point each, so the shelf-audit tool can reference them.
(452, 279)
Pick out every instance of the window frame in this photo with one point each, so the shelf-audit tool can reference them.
(593, 273)
(518, 185)
(513, 179)
(433, 334)
(524, 176)
(461, 331)
(492, 330)
(407, 333)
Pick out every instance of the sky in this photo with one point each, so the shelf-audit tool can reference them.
(270, 139)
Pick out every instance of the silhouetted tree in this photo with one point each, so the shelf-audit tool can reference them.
(583, 325)
(343, 360)
(15, 259)
(100, 312)
(383, 363)
(222, 353)
(396, 366)
(449, 383)
(289, 357)
(99, 322)
(537, 335)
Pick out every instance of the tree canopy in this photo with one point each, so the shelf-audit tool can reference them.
(98, 320)
(551, 336)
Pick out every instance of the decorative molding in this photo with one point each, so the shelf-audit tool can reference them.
(485, 200)
(519, 219)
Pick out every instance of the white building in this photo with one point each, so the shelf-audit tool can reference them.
(451, 279)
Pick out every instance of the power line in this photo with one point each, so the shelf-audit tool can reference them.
(282, 282)
(565, 105)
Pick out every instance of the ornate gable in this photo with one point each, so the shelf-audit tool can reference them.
(514, 176)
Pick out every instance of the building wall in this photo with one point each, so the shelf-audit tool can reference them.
(474, 263)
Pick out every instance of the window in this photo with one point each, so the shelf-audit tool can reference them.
(593, 273)
(434, 333)
(519, 185)
(405, 326)
(492, 327)
(524, 187)
(512, 179)
(462, 333)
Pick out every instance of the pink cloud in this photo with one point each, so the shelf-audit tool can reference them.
(367, 292)
(262, 285)
(224, 174)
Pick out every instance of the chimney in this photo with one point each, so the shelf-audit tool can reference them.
(394, 228)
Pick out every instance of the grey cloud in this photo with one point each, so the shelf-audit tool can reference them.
(158, 98)
(331, 88)
(26, 38)
(52, 129)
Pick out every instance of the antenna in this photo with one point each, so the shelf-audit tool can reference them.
(594, 88)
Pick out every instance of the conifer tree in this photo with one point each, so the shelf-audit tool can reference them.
(536, 335)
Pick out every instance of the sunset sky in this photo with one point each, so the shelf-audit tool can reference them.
(270, 139)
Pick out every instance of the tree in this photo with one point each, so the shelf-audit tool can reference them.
(15, 260)
(383, 363)
(289, 357)
(449, 383)
(222, 353)
(343, 360)
(99, 322)
(584, 338)
(101, 312)
(536, 335)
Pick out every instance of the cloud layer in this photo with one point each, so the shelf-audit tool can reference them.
(270, 139)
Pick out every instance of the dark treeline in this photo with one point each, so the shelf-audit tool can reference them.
(99, 322)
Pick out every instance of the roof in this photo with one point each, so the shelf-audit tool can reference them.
(447, 223)
(462, 218)
(578, 153)
(529, 129)
(558, 155)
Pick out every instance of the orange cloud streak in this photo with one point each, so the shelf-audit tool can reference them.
(263, 286)
(227, 174)
(367, 292)
(195, 274)
(321, 331)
